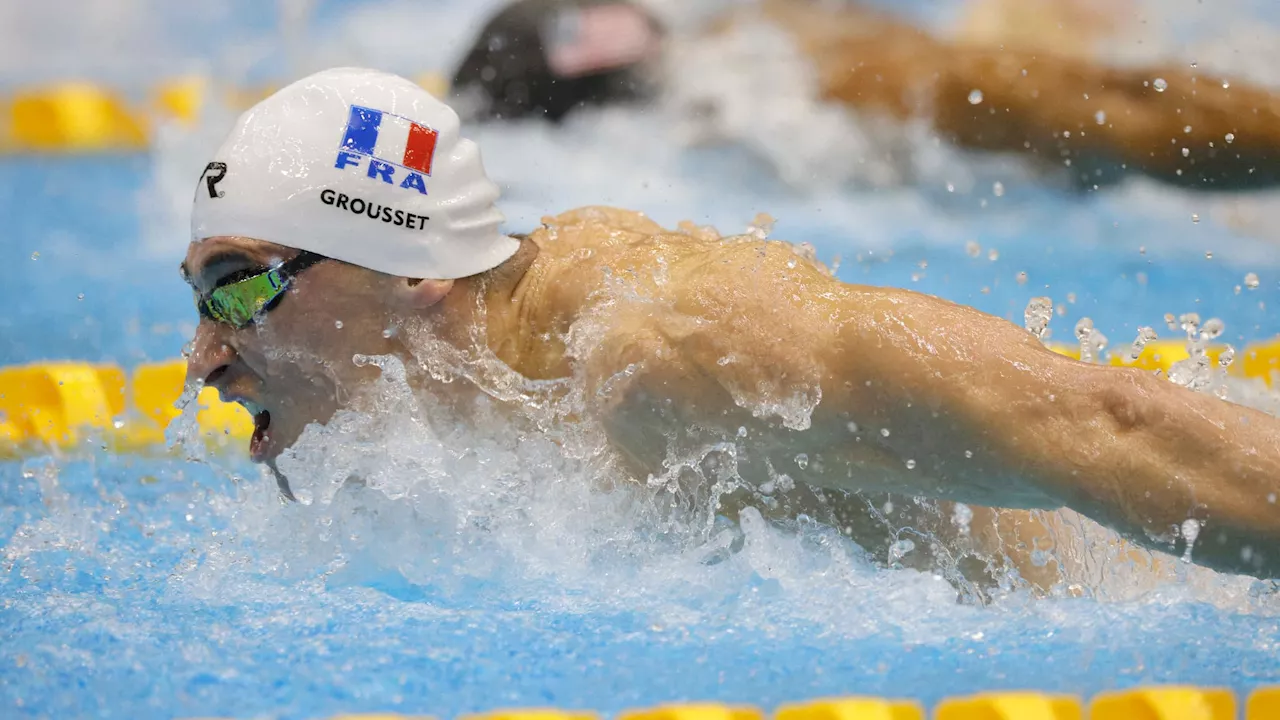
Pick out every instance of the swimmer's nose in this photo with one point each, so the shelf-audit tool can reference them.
(211, 355)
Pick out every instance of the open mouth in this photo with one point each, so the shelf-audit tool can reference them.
(261, 424)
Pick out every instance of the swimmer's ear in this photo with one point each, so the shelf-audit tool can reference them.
(421, 294)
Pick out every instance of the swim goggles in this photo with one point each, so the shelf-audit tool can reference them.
(240, 298)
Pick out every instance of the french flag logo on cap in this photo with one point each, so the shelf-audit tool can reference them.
(390, 138)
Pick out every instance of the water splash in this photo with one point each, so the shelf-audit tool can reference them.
(1196, 371)
(760, 227)
(1037, 315)
(1092, 341)
(184, 431)
(1145, 335)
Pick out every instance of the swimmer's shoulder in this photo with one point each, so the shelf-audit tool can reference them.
(595, 239)
(594, 226)
(583, 250)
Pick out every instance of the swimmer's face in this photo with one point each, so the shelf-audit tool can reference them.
(292, 366)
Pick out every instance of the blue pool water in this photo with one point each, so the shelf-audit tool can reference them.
(151, 587)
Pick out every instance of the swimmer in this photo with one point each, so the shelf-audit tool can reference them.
(754, 65)
(346, 211)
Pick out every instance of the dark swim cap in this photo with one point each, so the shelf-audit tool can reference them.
(548, 57)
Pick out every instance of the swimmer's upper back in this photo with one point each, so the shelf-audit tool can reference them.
(594, 260)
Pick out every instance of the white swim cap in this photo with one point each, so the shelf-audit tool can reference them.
(360, 166)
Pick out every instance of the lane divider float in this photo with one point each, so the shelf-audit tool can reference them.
(85, 118)
(1148, 703)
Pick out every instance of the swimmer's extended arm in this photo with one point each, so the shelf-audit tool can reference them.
(944, 401)
(1066, 111)
(1126, 448)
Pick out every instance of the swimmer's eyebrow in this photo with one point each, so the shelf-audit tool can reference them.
(219, 265)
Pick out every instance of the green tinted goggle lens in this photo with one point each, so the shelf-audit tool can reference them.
(241, 298)
(240, 302)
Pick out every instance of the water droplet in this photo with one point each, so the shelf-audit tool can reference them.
(1092, 341)
(35, 255)
(975, 97)
(1186, 129)
(997, 189)
(911, 464)
(884, 432)
(968, 453)
(742, 431)
(993, 255)
(1159, 84)
(972, 249)
(1213, 328)
(1251, 281)
(1193, 65)
(1271, 498)
(1145, 335)
(900, 549)
(1037, 315)
(951, 187)
(1100, 117)
(1022, 277)
(80, 296)
(1142, 249)
(1195, 218)
(853, 427)
(388, 333)
(760, 227)
(1186, 152)
(337, 324)
(1190, 531)
(1230, 138)
(1208, 254)
(1226, 84)
(791, 264)
(1227, 356)
(802, 460)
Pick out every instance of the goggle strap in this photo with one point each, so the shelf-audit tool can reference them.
(296, 264)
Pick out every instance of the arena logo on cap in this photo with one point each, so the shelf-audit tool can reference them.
(399, 150)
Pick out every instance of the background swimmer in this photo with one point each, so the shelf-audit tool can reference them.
(1002, 85)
